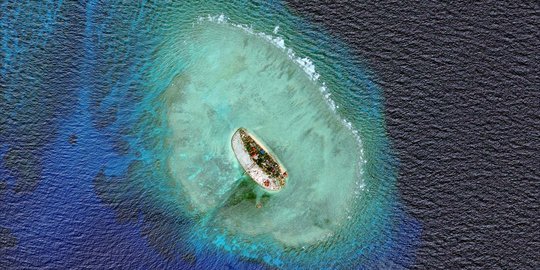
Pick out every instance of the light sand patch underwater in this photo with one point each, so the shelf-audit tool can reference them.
(236, 79)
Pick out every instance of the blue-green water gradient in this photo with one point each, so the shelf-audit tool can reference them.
(138, 159)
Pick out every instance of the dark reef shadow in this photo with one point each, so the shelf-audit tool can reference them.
(25, 166)
(165, 230)
(7, 239)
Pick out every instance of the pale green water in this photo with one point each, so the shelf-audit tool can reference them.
(237, 79)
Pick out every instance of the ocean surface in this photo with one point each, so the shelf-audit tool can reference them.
(461, 88)
(409, 134)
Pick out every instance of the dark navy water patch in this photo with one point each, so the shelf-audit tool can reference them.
(7, 239)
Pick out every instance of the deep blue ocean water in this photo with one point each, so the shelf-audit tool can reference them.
(83, 155)
(460, 83)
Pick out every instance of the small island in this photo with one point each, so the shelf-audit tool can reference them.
(257, 161)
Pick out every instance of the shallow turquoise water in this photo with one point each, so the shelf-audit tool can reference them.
(237, 79)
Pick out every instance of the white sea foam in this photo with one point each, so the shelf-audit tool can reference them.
(304, 62)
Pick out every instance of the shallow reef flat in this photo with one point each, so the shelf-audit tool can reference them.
(235, 79)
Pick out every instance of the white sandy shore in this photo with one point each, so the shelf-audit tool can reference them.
(250, 166)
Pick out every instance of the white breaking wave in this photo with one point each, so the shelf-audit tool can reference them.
(304, 62)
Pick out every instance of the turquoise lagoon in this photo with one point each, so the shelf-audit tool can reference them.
(203, 71)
